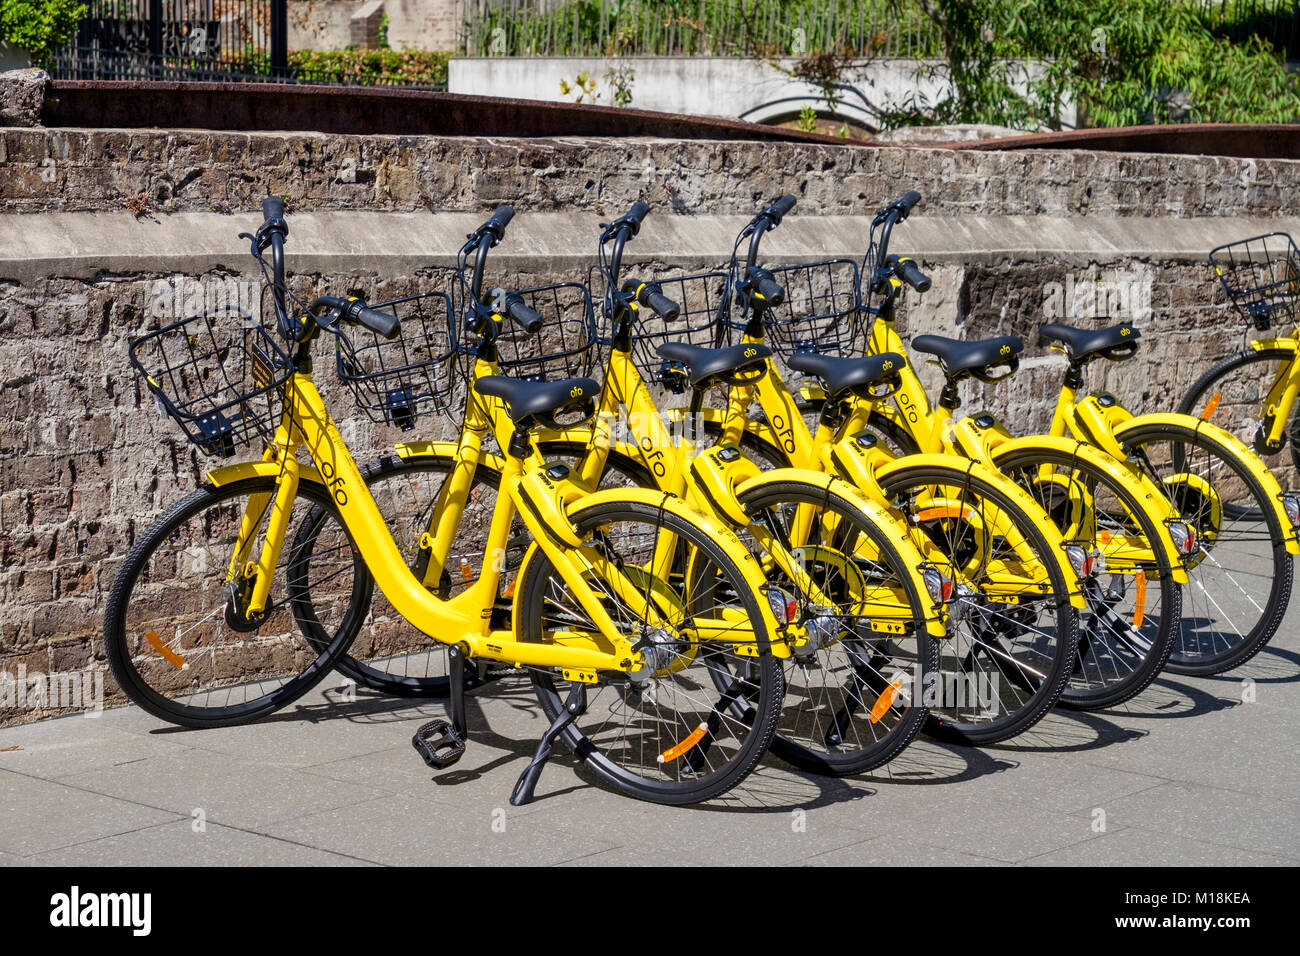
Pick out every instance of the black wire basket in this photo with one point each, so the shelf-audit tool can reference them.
(564, 347)
(702, 299)
(1262, 278)
(395, 381)
(821, 312)
(219, 375)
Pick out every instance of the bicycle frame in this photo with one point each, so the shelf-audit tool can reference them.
(934, 430)
(544, 505)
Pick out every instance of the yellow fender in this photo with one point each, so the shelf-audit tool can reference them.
(1253, 464)
(715, 529)
(1151, 497)
(1264, 345)
(445, 449)
(229, 474)
(1055, 540)
(875, 512)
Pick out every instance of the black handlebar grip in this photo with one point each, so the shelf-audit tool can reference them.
(529, 318)
(766, 287)
(907, 270)
(650, 296)
(910, 199)
(499, 220)
(272, 208)
(386, 324)
(638, 212)
(782, 206)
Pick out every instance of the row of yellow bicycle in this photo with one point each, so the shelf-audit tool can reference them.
(710, 515)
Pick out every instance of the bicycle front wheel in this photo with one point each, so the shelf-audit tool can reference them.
(176, 639)
(666, 734)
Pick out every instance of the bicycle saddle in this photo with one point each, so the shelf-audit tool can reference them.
(873, 376)
(1115, 343)
(981, 358)
(537, 403)
(709, 367)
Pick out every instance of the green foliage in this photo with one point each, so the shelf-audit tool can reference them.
(807, 120)
(584, 88)
(1121, 64)
(39, 26)
(371, 67)
(765, 28)
(382, 33)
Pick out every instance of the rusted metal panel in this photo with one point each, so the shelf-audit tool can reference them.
(1246, 140)
(336, 109)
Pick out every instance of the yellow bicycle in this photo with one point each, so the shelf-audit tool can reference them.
(626, 603)
(1011, 586)
(840, 568)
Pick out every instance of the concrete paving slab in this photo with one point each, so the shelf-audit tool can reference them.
(416, 830)
(230, 791)
(37, 815)
(1139, 846)
(177, 844)
(888, 851)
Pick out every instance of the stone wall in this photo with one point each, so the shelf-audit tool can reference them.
(95, 223)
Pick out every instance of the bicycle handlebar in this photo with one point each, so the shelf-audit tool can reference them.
(357, 312)
(766, 287)
(906, 269)
(650, 295)
(513, 305)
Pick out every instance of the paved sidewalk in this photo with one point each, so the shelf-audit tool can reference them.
(1187, 774)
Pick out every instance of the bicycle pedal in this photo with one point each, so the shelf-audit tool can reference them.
(439, 743)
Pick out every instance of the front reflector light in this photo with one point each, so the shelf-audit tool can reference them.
(1080, 559)
(1291, 505)
(1184, 536)
(940, 588)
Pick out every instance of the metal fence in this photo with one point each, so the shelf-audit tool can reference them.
(693, 28)
(770, 27)
(178, 39)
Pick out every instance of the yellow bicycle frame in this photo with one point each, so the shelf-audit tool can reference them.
(834, 452)
(548, 508)
(934, 431)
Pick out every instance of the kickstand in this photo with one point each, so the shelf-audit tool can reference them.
(573, 708)
(442, 742)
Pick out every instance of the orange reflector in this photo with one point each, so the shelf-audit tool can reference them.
(1210, 406)
(949, 511)
(1104, 537)
(510, 589)
(466, 570)
(170, 656)
(1140, 609)
(672, 753)
(885, 700)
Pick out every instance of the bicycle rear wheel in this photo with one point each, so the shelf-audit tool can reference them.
(386, 653)
(175, 639)
(1233, 395)
(665, 734)
(1134, 606)
(1240, 577)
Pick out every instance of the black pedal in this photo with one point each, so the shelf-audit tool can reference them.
(439, 743)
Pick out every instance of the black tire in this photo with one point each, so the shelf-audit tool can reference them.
(1242, 383)
(385, 652)
(1017, 663)
(269, 665)
(1053, 661)
(739, 726)
(828, 722)
(1240, 587)
(803, 737)
(1129, 629)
